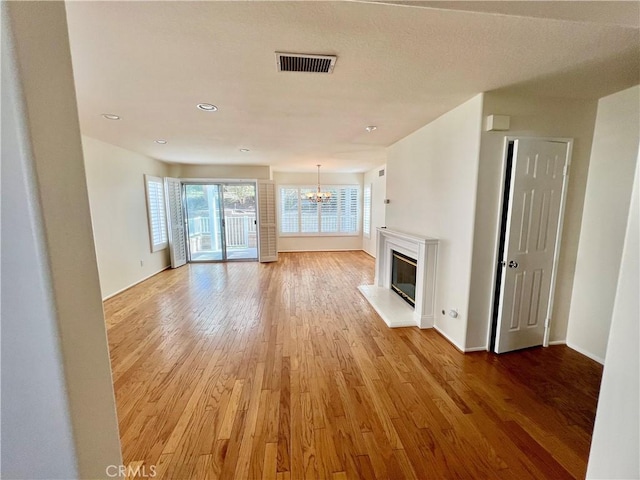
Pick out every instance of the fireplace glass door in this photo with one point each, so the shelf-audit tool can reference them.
(403, 277)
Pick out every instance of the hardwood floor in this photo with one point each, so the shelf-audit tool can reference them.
(284, 371)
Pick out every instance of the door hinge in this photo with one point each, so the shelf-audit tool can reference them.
(565, 170)
(547, 322)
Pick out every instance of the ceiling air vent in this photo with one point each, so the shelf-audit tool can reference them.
(302, 62)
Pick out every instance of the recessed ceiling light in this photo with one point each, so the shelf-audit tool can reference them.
(207, 107)
(244, 150)
(111, 116)
(161, 142)
(371, 128)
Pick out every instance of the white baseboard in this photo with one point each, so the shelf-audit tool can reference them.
(455, 344)
(586, 353)
(370, 254)
(475, 349)
(135, 283)
(448, 338)
(323, 250)
(558, 342)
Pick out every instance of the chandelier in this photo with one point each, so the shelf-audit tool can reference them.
(318, 196)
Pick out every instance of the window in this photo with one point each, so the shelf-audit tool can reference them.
(289, 214)
(366, 211)
(338, 216)
(156, 213)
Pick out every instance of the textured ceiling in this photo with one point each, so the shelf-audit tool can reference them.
(622, 13)
(398, 67)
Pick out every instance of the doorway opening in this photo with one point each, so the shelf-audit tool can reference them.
(503, 232)
(221, 223)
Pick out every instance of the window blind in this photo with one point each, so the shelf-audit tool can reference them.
(338, 216)
(156, 213)
(366, 211)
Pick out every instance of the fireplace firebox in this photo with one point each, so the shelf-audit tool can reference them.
(403, 277)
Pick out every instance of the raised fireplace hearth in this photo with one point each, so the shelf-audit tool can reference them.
(405, 283)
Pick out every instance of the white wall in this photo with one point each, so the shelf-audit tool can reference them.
(115, 179)
(613, 161)
(431, 183)
(615, 443)
(44, 142)
(231, 172)
(533, 117)
(324, 242)
(37, 438)
(378, 208)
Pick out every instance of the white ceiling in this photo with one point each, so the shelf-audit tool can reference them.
(623, 13)
(399, 66)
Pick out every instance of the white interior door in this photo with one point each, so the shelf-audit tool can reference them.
(267, 218)
(175, 222)
(531, 242)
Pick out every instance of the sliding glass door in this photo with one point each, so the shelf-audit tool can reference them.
(221, 221)
(204, 222)
(241, 238)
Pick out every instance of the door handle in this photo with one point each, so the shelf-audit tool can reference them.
(513, 264)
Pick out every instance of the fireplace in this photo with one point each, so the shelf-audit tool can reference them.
(404, 292)
(403, 277)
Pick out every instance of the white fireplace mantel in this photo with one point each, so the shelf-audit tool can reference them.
(393, 310)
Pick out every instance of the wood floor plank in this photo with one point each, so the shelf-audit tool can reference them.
(283, 371)
(270, 461)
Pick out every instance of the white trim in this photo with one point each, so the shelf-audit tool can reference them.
(323, 250)
(582, 351)
(455, 344)
(322, 234)
(449, 339)
(556, 256)
(135, 283)
(199, 180)
(370, 254)
(494, 270)
(558, 342)
(475, 349)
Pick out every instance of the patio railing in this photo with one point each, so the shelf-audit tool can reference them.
(240, 230)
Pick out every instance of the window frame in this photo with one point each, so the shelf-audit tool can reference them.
(151, 215)
(319, 233)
